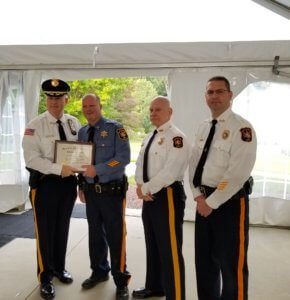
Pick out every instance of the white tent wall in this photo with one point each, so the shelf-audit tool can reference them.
(188, 67)
(13, 177)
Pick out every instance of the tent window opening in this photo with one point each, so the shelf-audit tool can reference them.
(267, 105)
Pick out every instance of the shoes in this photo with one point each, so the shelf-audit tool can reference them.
(64, 276)
(122, 293)
(47, 290)
(94, 280)
(145, 293)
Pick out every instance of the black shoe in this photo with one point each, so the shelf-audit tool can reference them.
(47, 290)
(145, 293)
(122, 293)
(64, 276)
(94, 280)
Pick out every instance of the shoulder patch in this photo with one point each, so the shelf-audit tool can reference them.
(246, 134)
(29, 131)
(178, 142)
(122, 134)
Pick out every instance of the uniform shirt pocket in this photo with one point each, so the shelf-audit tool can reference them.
(222, 152)
(104, 150)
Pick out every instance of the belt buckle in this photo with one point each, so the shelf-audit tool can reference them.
(202, 189)
(98, 188)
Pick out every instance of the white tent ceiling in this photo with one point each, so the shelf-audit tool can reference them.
(158, 55)
(130, 21)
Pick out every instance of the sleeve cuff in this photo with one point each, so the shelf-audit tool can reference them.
(145, 189)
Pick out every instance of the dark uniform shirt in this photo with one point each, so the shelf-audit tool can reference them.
(112, 152)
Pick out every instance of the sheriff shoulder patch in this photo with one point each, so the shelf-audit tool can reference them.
(29, 131)
(178, 142)
(122, 134)
(246, 134)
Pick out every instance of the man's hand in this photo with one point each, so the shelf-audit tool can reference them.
(140, 195)
(67, 171)
(82, 196)
(90, 171)
(201, 206)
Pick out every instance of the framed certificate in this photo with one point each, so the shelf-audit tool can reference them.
(74, 154)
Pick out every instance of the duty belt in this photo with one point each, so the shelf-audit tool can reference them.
(111, 187)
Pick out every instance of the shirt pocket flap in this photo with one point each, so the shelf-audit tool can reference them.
(104, 143)
(222, 145)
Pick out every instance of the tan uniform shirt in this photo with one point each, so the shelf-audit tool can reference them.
(39, 139)
(167, 159)
(230, 160)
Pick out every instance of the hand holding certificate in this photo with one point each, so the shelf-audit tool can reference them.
(74, 154)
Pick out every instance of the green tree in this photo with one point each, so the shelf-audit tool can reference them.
(159, 83)
(123, 99)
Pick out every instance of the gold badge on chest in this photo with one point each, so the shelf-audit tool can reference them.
(226, 134)
(161, 140)
(104, 133)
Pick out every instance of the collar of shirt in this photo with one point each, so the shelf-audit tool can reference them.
(222, 118)
(52, 119)
(98, 125)
(164, 126)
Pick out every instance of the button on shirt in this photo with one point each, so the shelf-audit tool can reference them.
(39, 141)
(167, 161)
(230, 159)
(112, 151)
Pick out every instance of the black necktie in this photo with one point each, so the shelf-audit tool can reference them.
(91, 132)
(200, 165)
(62, 135)
(145, 161)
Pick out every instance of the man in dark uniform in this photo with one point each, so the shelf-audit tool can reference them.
(53, 186)
(160, 170)
(103, 188)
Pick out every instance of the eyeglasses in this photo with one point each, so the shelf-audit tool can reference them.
(218, 92)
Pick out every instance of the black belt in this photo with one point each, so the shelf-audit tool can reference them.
(206, 190)
(176, 184)
(246, 189)
(110, 187)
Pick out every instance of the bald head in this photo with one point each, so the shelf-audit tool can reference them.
(91, 107)
(160, 111)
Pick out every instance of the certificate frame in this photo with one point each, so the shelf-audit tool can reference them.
(74, 153)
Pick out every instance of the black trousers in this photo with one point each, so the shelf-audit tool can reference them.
(52, 203)
(221, 246)
(107, 228)
(163, 228)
